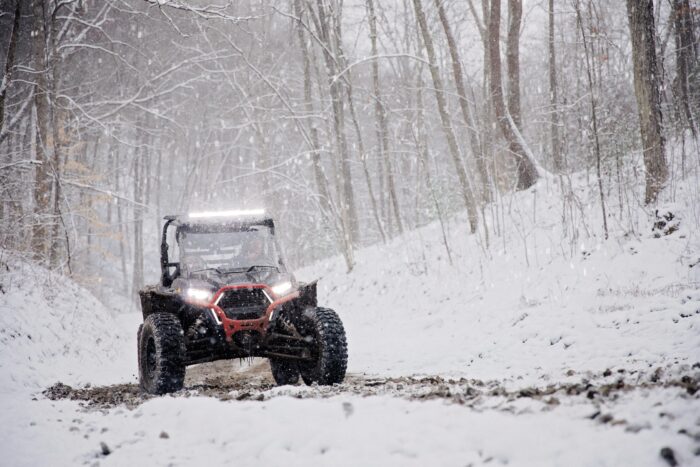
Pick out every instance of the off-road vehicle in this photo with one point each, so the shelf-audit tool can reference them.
(226, 293)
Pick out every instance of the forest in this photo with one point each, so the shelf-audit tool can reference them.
(351, 122)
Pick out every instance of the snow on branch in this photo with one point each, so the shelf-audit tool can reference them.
(375, 57)
(105, 192)
(206, 12)
(23, 162)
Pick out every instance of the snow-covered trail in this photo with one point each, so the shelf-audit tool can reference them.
(351, 430)
(369, 421)
(232, 412)
(230, 415)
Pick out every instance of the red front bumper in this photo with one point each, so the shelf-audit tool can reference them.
(232, 326)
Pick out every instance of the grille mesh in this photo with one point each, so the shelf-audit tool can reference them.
(244, 303)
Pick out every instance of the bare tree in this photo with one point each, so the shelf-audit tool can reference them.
(380, 114)
(488, 120)
(421, 143)
(527, 173)
(44, 135)
(553, 109)
(325, 15)
(640, 14)
(686, 62)
(472, 133)
(325, 199)
(594, 117)
(9, 63)
(320, 177)
(138, 177)
(515, 14)
(467, 194)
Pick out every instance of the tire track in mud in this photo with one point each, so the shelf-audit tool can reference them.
(231, 382)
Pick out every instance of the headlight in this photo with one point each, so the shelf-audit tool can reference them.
(282, 288)
(199, 295)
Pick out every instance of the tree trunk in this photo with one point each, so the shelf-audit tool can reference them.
(686, 61)
(44, 137)
(54, 253)
(472, 132)
(158, 179)
(336, 18)
(423, 155)
(263, 167)
(61, 143)
(640, 14)
(122, 233)
(488, 130)
(553, 109)
(467, 195)
(4, 84)
(137, 273)
(526, 170)
(6, 195)
(380, 115)
(9, 63)
(594, 117)
(325, 199)
(363, 154)
(344, 175)
(515, 13)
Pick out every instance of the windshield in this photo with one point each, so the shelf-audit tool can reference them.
(230, 251)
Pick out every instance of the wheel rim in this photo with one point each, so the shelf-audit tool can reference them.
(150, 358)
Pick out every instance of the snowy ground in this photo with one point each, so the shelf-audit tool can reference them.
(547, 353)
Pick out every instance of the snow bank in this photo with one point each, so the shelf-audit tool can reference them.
(52, 330)
(534, 310)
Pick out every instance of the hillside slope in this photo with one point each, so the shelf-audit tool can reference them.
(51, 329)
(537, 309)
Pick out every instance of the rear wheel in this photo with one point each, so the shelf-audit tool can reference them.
(161, 351)
(284, 371)
(329, 352)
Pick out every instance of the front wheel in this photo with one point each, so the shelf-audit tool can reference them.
(325, 331)
(161, 352)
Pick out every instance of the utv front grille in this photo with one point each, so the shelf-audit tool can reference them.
(236, 298)
(252, 312)
(244, 303)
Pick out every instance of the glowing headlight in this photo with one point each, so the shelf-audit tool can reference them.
(199, 295)
(282, 288)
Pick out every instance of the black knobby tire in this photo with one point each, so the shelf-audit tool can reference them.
(284, 371)
(161, 353)
(330, 348)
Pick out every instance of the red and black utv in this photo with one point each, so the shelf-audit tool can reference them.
(226, 293)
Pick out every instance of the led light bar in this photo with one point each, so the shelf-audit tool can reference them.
(235, 213)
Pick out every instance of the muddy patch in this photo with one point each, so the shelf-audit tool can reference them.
(129, 395)
(232, 381)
